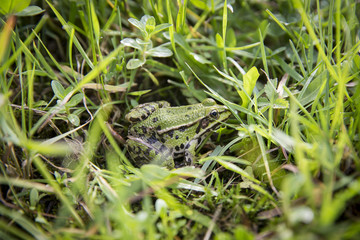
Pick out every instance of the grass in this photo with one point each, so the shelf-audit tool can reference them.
(284, 166)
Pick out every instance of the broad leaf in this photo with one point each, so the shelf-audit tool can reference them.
(281, 103)
(139, 93)
(13, 6)
(250, 79)
(58, 89)
(134, 63)
(137, 24)
(75, 100)
(129, 42)
(143, 42)
(74, 120)
(160, 27)
(159, 52)
(30, 11)
(150, 23)
(200, 58)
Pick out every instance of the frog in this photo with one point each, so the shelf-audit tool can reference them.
(159, 134)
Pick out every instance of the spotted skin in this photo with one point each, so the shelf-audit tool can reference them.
(159, 133)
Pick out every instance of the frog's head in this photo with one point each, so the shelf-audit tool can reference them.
(214, 115)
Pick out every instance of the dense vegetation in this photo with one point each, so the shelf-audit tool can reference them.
(284, 166)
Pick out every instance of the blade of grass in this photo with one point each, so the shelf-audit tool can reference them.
(282, 26)
(57, 64)
(200, 21)
(30, 96)
(112, 17)
(42, 62)
(5, 36)
(6, 228)
(235, 168)
(171, 28)
(112, 141)
(16, 54)
(68, 28)
(298, 5)
(24, 222)
(263, 53)
(57, 189)
(266, 163)
(181, 17)
(94, 30)
(224, 27)
(300, 151)
(293, 98)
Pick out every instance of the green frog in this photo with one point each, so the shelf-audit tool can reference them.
(160, 133)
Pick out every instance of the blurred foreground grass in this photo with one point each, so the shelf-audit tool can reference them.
(285, 166)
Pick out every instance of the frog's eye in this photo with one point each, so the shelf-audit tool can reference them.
(214, 114)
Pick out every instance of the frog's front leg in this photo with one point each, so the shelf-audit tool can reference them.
(143, 152)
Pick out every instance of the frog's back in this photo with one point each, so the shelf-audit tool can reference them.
(143, 111)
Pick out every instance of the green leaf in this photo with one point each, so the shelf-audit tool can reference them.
(224, 23)
(200, 58)
(160, 27)
(40, 219)
(58, 177)
(230, 38)
(58, 89)
(188, 172)
(281, 103)
(179, 39)
(269, 88)
(134, 63)
(144, 42)
(13, 6)
(219, 41)
(154, 173)
(75, 100)
(241, 232)
(40, 103)
(150, 23)
(68, 90)
(250, 79)
(181, 26)
(159, 52)
(184, 78)
(288, 69)
(30, 11)
(74, 120)
(153, 78)
(261, 190)
(34, 197)
(232, 167)
(139, 93)
(220, 46)
(137, 24)
(95, 22)
(200, 4)
(129, 42)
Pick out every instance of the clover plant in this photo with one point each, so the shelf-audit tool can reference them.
(60, 93)
(148, 28)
